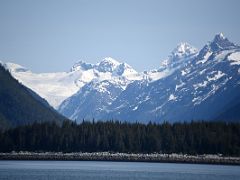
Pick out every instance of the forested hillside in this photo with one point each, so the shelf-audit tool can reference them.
(190, 138)
(19, 105)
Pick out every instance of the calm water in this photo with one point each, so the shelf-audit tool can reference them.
(92, 170)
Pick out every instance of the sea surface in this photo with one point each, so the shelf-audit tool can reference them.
(99, 170)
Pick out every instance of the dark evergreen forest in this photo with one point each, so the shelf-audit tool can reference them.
(190, 138)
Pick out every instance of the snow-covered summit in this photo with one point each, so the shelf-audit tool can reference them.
(182, 50)
(108, 64)
(180, 55)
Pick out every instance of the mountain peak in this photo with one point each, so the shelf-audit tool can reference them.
(220, 42)
(183, 49)
(219, 37)
(109, 60)
(179, 54)
(107, 64)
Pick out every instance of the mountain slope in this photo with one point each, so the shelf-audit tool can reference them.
(91, 100)
(19, 105)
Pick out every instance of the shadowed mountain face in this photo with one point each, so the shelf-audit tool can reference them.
(20, 105)
(231, 112)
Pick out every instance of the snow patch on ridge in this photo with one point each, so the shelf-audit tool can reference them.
(234, 58)
(205, 58)
(179, 86)
(172, 97)
(216, 76)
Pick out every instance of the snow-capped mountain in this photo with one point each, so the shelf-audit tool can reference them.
(202, 88)
(56, 87)
(99, 95)
(91, 100)
(188, 85)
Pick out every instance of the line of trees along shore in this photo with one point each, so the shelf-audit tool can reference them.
(114, 136)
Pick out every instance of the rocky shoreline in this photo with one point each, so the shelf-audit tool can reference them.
(107, 156)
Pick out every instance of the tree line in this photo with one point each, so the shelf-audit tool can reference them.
(190, 138)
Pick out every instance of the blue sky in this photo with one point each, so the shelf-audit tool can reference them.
(48, 36)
